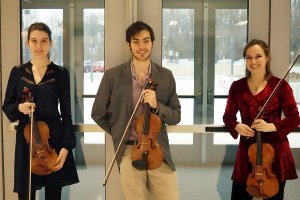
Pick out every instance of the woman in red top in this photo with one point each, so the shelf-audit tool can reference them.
(249, 94)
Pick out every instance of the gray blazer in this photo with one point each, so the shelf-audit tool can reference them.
(113, 105)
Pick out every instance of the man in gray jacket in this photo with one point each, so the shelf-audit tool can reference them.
(115, 101)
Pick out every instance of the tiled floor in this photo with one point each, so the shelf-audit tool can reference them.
(195, 183)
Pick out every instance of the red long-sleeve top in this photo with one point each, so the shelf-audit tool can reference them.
(283, 102)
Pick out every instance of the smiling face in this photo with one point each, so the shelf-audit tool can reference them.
(39, 44)
(141, 46)
(256, 60)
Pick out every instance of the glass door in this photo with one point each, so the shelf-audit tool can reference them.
(202, 43)
(182, 54)
(199, 40)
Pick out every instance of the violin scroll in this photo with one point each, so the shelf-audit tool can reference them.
(151, 85)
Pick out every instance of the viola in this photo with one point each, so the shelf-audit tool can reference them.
(261, 182)
(43, 156)
(147, 153)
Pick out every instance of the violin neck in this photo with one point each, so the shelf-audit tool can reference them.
(146, 119)
(35, 130)
(258, 148)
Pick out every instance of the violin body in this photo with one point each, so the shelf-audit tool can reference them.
(43, 156)
(262, 182)
(147, 153)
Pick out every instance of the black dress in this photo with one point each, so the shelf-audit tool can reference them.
(52, 99)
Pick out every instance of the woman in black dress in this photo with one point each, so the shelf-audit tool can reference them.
(49, 85)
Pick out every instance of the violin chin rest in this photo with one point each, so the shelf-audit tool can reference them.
(140, 164)
(254, 191)
(41, 170)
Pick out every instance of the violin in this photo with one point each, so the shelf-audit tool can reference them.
(43, 156)
(147, 153)
(261, 182)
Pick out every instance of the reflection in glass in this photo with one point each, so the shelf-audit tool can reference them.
(230, 39)
(178, 47)
(222, 138)
(187, 110)
(178, 56)
(294, 75)
(91, 137)
(93, 64)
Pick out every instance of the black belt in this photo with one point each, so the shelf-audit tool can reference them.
(130, 142)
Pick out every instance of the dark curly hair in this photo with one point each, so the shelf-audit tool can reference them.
(137, 27)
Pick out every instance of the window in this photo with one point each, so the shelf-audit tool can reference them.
(294, 75)
(178, 56)
(93, 65)
(230, 39)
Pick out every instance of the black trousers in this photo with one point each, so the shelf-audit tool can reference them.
(50, 194)
(239, 192)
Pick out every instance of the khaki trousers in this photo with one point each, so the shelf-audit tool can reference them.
(156, 184)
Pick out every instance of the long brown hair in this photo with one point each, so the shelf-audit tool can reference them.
(266, 50)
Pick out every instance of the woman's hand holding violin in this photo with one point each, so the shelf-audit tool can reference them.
(61, 159)
(244, 130)
(262, 125)
(25, 107)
